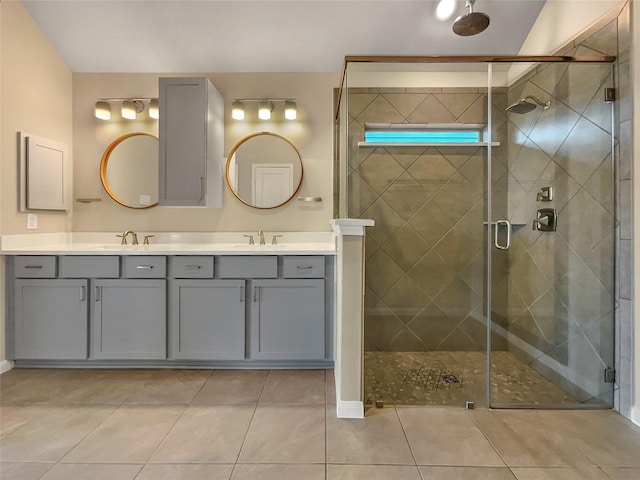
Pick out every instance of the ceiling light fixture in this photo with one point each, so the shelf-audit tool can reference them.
(265, 107)
(129, 107)
(445, 9)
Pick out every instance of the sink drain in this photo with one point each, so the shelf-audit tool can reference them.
(450, 378)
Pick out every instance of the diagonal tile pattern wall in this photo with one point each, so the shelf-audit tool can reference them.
(424, 257)
(561, 288)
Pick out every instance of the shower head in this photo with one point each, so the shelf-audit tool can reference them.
(525, 106)
(471, 23)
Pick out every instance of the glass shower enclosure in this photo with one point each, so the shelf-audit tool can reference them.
(489, 272)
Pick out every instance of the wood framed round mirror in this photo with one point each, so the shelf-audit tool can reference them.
(129, 170)
(264, 170)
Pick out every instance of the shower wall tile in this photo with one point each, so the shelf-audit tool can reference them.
(626, 270)
(624, 34)
(397, 247)
(626, 209)
(625, 156)
(625, 319)
(625, 89)
(605, 40)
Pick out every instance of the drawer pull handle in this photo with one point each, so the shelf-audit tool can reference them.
(304, 267)
(83, 294)
(193, 266)
(144, 267)
(97, 294)
(241, 294)
(33, 266)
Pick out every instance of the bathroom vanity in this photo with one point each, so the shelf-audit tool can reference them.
(210, 305)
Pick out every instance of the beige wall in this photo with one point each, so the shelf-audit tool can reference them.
(311, 134)
(35, 88)
(36, 98)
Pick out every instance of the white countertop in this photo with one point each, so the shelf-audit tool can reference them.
(164, 243)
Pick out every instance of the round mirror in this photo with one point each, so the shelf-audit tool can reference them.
(129, 170)
(264, 170)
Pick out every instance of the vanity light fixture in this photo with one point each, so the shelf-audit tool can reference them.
(265, 107)
(154, 110)
(264, 110)
(103, 110)
(129, 107)
(237, 110)
(290, 110)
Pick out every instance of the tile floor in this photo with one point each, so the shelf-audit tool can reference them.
(279, 424)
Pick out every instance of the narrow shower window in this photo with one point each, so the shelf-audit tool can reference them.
(429, 134)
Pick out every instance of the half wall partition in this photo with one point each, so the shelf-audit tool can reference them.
(489, 273)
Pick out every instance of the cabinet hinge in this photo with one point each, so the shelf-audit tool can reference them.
(609, 94)
(609, 375)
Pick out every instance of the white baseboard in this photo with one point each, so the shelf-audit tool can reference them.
(350, 409)
(635, 415)
(5, 366)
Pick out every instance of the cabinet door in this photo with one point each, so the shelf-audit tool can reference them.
(191, 135)
(128, 319)
(288, 319)
(207, 319)
(51, 319)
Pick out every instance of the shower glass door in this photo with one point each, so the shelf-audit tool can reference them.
(552, 290)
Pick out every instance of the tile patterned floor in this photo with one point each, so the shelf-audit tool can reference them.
(281, 425)
(452, 378)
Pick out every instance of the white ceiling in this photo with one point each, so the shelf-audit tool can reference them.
(265, 35)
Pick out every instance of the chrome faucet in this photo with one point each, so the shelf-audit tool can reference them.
(261, 236)
(134, 237)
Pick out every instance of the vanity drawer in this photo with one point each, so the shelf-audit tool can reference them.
(143, 266)
(35, 266)
(303, 267)
(190, 267)
(82, 266)
(248, 266)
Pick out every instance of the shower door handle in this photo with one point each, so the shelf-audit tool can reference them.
(496, 241)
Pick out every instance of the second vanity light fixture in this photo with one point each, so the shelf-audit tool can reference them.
(129, 107)
(265, 107)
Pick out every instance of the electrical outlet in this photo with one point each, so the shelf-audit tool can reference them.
(32, 221)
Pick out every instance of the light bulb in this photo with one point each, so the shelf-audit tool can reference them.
(264, 110)
(154, 110)
(237, 110)
(128, 110)
(103, 110)
(290, 110)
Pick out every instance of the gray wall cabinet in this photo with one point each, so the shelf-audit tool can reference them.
(51, 319)
(128, 319)
(288, 319)
(191, 135)
(207, 319)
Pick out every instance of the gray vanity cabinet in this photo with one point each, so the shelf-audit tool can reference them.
(288, 319)
(191, 136)
(206, 319)
(128, 319)
(51, 317)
